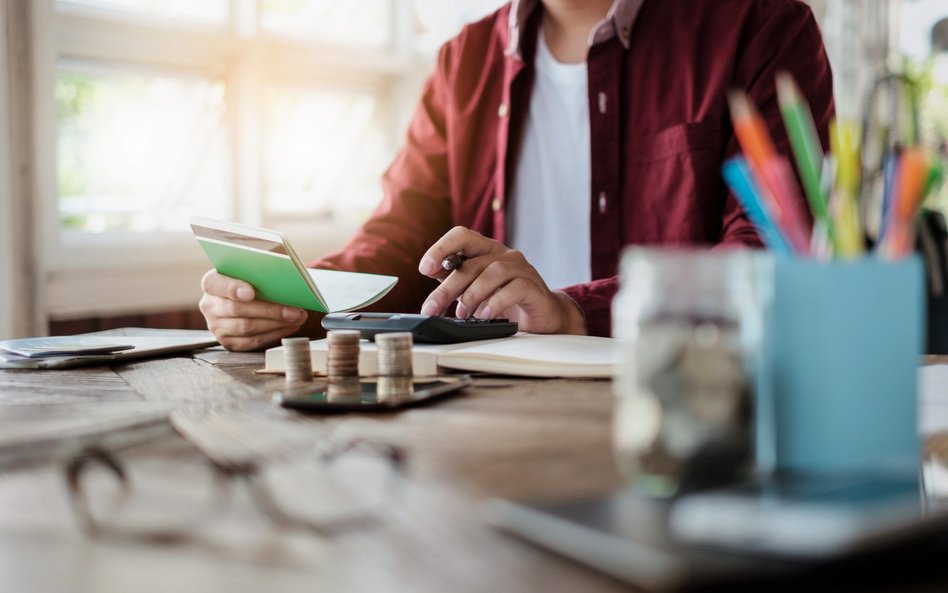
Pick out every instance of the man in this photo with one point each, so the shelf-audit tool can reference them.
(550, 135)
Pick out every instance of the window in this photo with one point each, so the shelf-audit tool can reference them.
(281, 113)
(917, 28)
(307, 175)
(358, 22)
(201, 11)
(138, 151)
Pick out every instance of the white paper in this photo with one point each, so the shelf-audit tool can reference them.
(345, 291)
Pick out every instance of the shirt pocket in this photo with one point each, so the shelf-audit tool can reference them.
(674, 191)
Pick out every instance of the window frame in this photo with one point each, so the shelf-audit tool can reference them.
(85, 274)
(7, 244)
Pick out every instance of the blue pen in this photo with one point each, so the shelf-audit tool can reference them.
(739, 177)
(890, 164)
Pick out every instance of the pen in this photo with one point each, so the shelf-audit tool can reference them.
(453, 262)
(738, 176)
(913, 171)
(806, 146)
(772, 172)
(889, 166)
(936, 177)
(844, 140)
(778, 176)
(751, 130)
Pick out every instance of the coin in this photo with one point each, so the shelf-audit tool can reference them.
(343, 359)
(394, 354)
(344, 389)
(394, 389)
(299, 365)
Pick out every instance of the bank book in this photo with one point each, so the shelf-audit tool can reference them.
(523, 354)
(265, 259)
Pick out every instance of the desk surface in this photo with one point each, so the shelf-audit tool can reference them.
(505, 438)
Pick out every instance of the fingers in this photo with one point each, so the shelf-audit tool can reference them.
(453, 286)
(502, 285)
(216, 284)
(247, 332)
(509, 295)
(238, 321)
(218, 307)
(474, 283)
(457, 240)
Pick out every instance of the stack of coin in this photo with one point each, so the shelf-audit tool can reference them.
(342, 367)
(299, 365)
(394, 360)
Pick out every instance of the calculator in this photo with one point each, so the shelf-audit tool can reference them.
(430, 329)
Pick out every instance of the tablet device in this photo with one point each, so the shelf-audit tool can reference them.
(777, 528)
(315, 398)
(44, 347)
(126, 343)
(803, 517)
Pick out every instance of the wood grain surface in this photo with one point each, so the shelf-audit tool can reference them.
(505, 437)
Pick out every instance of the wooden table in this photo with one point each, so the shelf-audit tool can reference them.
(505, 438)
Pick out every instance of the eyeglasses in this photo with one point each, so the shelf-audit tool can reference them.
(320, 493)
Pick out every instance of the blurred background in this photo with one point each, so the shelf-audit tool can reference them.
(119, 119)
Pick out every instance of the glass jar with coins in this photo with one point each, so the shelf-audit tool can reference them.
(689, 327)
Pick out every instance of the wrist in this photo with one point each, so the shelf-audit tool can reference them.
(574, 321)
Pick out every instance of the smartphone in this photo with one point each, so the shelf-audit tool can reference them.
(316, 398)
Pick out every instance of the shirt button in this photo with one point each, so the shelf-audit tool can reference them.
(602, 102)
(602, 202)
(625, 32)
(502, 110)
(496, 204)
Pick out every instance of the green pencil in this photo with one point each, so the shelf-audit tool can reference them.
(806, 146)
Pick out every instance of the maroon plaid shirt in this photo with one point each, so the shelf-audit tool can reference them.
(659, 73)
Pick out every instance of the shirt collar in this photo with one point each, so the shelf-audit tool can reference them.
(618, 23)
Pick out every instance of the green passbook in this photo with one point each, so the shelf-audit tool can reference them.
(265, 259)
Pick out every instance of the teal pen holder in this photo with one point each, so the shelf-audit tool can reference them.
(838, 373)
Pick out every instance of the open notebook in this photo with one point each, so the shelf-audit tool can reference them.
(529, 355)
(265, 259)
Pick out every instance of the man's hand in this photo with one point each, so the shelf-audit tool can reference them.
(496, 281)
(238, 321)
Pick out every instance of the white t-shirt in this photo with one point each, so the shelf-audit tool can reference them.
(551, 201)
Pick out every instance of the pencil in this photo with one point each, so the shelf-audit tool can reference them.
(805, 143)
(844, 142)
(751, 130)
(741, 181)
(770, 169)
(912, 176)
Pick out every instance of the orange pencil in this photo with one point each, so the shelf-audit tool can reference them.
(773, 173)
(913, 169)
(751, 130)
